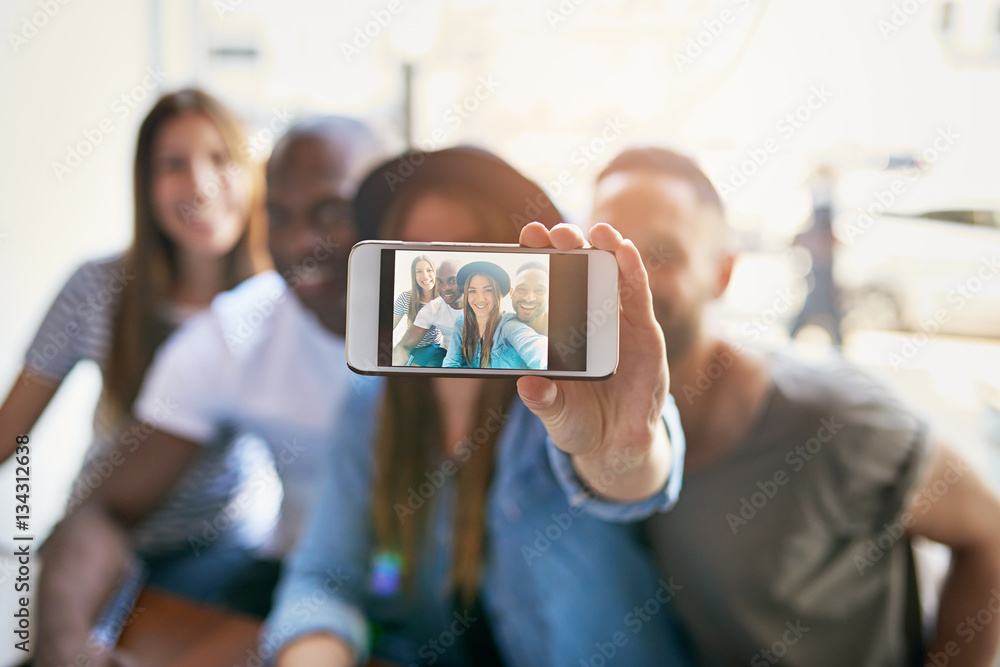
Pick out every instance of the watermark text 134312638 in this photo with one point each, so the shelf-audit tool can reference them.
(22, 514)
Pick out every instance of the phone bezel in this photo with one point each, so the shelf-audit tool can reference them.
(363, 282)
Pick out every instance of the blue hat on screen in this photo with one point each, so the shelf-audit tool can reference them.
(487, 268)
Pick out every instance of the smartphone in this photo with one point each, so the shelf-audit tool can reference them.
(483, 310)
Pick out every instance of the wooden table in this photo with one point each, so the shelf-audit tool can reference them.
(168, 631)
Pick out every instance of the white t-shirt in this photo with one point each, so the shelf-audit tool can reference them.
(438, 314)
(257, 360)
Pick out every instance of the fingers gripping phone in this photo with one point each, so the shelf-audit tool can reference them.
(481, 310)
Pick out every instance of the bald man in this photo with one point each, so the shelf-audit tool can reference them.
(804, 481)
(266, 358)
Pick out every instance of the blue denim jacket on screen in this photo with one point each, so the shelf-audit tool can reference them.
(515, 345)
(559, 586)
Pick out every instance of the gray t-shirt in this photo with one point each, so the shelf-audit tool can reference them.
(793, 543)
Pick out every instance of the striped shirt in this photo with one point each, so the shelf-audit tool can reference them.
(402, 308)
(210, 504)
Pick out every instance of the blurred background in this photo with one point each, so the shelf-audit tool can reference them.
(855, 145)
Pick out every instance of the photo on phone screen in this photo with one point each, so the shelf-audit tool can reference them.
(482, 309)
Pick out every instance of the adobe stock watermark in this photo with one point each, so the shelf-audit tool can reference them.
(712, 28)
(97, 644)
(964, 292)
(635, 621)
(900, 15)
(706, 377)
(784, 129)
(967, 629)
(366, 34)
(229, 516)
(580, 159)
(943, 141)
(892, 532)
(84, 313)
(545, 537)
(102, 464)
(93, 137)
(433, 649)
(223, 7)
(302, 610)
(243, 327)
(562, 13)
(722, 361)
(469, 445)
(33, 24)
(796, 458)
(453, 117)
(259, 144)
(255, 147)
(779, 648)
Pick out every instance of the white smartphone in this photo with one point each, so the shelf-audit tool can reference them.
(481, 310)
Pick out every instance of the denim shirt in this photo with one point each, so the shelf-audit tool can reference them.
(558, 585)
(515, 345)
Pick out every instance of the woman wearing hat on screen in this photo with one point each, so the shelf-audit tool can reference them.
(483, 336)
(435, 540)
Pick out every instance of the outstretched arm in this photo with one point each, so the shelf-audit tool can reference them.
(25, 403)
(317, 649)
(454, 358)
(530, 345)
(401, 352)
(964, 517)
(613, 429)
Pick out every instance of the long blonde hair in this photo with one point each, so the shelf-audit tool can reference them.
(139, 327)
(470, 327)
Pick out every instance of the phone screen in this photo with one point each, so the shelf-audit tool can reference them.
(481, 309)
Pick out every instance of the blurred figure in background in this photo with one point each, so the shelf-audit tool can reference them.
(199, 229)
(469, 564)
(822, 305)
(267, 357)
(803, 481)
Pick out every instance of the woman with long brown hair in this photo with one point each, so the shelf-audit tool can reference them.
(485, 337)
(423, 290)
(199, 229)
(444, 534)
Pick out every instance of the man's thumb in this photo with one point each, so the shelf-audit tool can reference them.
(541, 396)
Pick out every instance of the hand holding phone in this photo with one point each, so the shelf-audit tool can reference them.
(613, 425)
(485, 310)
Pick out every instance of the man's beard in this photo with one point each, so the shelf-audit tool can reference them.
(537, 313)
(680, 330)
